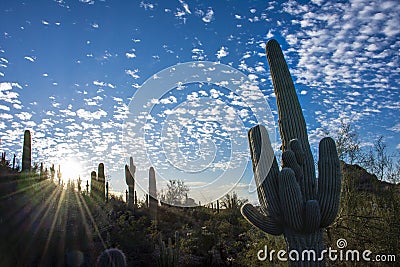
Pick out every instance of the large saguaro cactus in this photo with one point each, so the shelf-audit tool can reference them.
(292, 203)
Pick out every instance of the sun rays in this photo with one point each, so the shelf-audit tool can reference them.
(48, 220)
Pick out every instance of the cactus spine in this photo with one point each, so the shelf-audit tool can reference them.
(153, 202)
(291, 203)
(26, 152)
(130, 182)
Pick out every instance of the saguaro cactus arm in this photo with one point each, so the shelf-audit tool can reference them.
(329, 181)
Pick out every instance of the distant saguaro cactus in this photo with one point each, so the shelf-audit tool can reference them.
(26, 152)
(153, 202)
(13, 162)
(52, 172)
(59, 174)
(3, 158)
(101, 181)
(130, 181)
(93, 184)
(292, 203)
(41, 171)
(79, 184)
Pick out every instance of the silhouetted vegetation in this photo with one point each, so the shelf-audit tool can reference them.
(46, 223)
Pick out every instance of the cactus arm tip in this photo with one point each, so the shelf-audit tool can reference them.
(329, 181)
(261, 221)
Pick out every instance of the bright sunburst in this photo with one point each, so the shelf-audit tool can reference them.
(70, 170)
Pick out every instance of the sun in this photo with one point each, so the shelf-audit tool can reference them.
(70, 170)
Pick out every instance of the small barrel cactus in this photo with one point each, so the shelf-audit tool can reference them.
(293, 202)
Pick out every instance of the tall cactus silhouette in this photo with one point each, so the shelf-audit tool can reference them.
(292, 203)
(59, 175)
(101, 182)
(3, 158)
(93, 184)
(153, 202)
(130, 182)
(52, 172)
(26, 152)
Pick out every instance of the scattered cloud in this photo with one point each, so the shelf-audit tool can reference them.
(133, 73)
(209, 16)
(185, 6)
(130, 55)
(30, 58)
(395, 128)
(90, 116)
(90, 2)
(103, 84)
(147, 6)
(222, 52)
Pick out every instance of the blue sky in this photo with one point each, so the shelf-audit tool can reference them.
(69, 70)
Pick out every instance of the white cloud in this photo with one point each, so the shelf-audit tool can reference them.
(133, 73)
(130, 55)
(5, 86)
(185, 6)
(169, 100)
(2, 107)
(198, 54)
(395, 128)
(87, 115)
(6, 116)
(103, 84)
(209, 16)
(222, 52)
(147, 6)
(31, 59)
(90, 2)
(24, 116)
